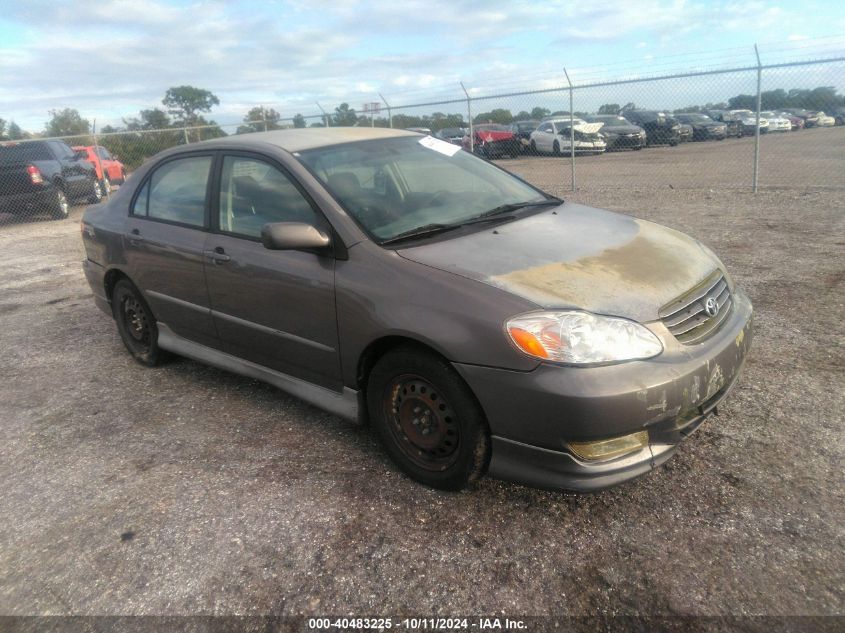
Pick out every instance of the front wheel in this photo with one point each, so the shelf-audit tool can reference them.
(136, 324)
(428, 419)
(556, 149)
(533, 148)
(105, 185)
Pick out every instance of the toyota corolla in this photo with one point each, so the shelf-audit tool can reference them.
(478, 323)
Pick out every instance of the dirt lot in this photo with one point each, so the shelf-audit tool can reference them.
(185, 490)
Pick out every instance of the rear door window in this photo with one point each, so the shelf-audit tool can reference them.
(178, 191)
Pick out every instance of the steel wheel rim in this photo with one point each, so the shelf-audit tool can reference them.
(422, 422)
(136, 321)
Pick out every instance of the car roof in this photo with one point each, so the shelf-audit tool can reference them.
(309, 138)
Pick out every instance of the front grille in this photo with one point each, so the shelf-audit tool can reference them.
(687, 317)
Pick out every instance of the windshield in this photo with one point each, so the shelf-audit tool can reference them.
(695, 118)
(609, 120)
(24, 153)
(396, 185)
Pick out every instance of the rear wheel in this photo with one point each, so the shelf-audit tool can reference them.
(533, 148)
(427, 419)
(60, 206)
(96, 192)
(556, 149)
(136, 324)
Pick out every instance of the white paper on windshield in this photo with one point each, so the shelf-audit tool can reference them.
(440, 146)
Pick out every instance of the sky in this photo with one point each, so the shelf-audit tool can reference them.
(111, 58)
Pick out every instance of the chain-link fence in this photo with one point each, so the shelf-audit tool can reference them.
(777, 126)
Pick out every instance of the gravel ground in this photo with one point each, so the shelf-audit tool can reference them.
(186, 490)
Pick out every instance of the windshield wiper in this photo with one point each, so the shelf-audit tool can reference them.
(421, 231)
(507, 208)
(493, 215)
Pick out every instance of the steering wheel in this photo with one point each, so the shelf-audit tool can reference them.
(437, 198)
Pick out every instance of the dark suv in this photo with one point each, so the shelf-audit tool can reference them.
(660, 128)
(38, 176)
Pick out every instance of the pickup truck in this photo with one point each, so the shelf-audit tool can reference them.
(39, 176)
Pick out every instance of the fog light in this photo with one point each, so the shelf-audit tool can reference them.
(610, 448)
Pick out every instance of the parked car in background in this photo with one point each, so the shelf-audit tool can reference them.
(660, 128)
(733, 126)
(776, 122)
(522, 131)
(492, 140)
(839, 116)
(478, 323)
(685, 132)
(748, 119)
(553, 137)
(109, 169)
(454, 135)
(703, 127)
(618, 132)
(44, 176)
(796, 122)
(820, 119)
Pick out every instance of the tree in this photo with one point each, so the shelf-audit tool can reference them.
(299, 121)
(2, 129)
(15, 133)
(609, 108)
(154, 119)
(186, 102)
(742, 102)
(539, 113)
(498, 115)
(67, 122)
(259, 119)
(344, 116)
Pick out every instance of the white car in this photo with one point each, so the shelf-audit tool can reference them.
(748, 119)
(553, 137)
(823, 120)
(777, 123)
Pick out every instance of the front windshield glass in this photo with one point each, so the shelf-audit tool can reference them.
(396, 185)
(609, 120)
(696, 118)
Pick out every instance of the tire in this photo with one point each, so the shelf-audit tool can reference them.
(533, 148)
(122, 178)
(96, 192)
(60, 206)
(556, 149)
(136, 324)
(105, 184)
(427, 419)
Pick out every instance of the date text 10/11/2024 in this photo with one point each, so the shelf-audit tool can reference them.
(456, 624)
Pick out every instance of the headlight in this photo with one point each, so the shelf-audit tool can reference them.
(581, 338)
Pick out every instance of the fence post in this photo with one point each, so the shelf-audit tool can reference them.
(571, 130)
(757, 127)
(389, 111)
(185, 133)
(469, 114)
(264, 117)
(325, 116)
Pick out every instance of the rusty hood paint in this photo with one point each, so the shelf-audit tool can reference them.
(578, 257)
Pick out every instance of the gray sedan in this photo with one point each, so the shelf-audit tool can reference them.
(479, 324)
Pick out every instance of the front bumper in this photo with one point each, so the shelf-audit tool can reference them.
(532, 415)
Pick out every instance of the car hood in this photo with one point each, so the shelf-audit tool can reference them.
(586, 128)
(578, 257)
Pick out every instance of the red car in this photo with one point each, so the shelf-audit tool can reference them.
(493, 141)
(110, 171)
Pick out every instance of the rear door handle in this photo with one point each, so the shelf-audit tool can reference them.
(218, 255)
(135, 237)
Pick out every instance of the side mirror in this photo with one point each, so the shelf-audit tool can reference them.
(293, 236)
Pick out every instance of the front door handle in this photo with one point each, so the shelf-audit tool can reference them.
(218, 255)
(135, 237)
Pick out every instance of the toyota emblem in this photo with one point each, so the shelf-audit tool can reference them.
(711, 308)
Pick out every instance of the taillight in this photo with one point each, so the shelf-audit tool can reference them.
(34, 175)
